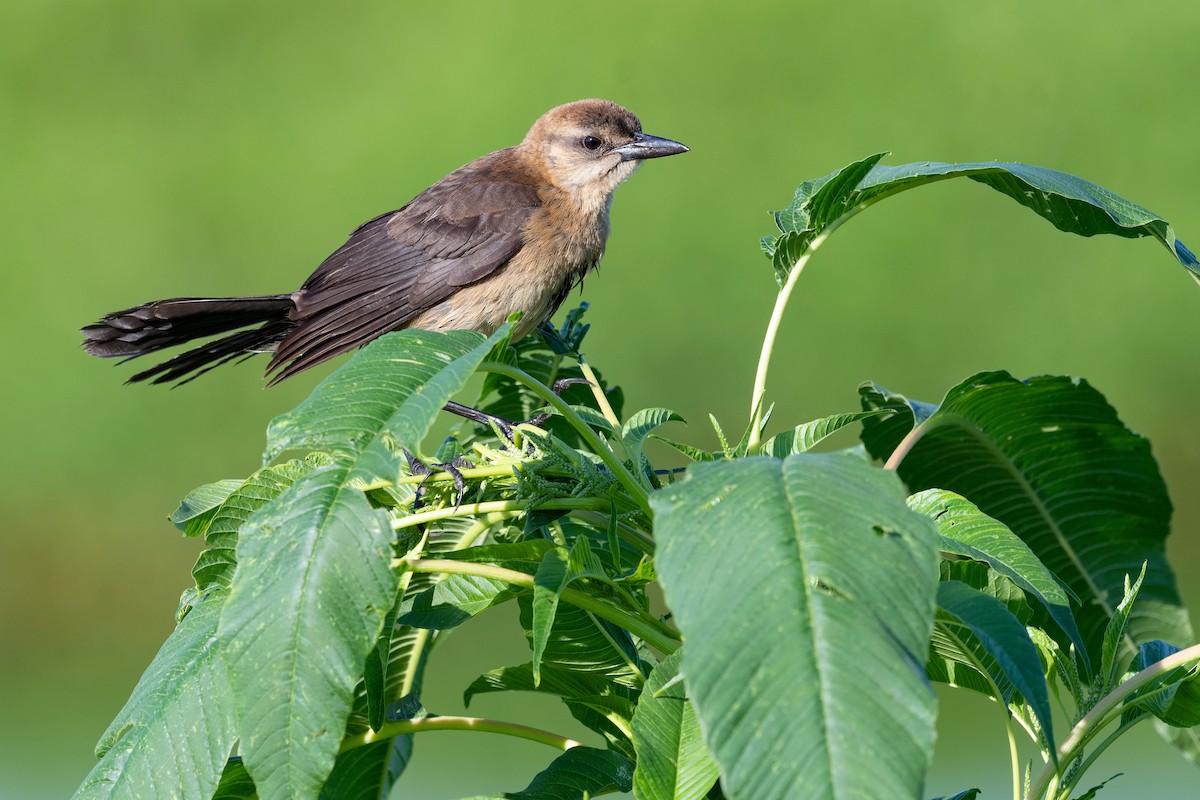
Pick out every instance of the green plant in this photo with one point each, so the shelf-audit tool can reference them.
(1009, 541)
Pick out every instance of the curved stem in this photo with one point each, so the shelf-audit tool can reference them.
(400, 727)
(764, 356)
(650, 630)
(601, 399)
(907, 444)
(510, 507)
(598, 445)
(1101, 714)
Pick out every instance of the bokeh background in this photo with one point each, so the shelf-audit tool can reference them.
(152, 149)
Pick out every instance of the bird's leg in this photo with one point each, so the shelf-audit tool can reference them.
(507, 427)
(418, 467)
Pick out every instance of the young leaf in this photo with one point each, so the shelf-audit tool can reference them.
(578, 774)
(672, 761)
(175, 733)
(638, 427)
(775, 570)
(453, 601)
(1049, 458)
(805, 437)
(1114, 635)
(197, 508)
(968, 532)
(991, 639)
(313, 577)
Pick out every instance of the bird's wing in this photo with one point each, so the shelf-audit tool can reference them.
(399, 264)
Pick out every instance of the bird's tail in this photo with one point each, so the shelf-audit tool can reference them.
(151, 327)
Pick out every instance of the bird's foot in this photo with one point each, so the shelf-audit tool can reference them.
(418, 467)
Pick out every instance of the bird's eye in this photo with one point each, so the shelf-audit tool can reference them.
(591, 142)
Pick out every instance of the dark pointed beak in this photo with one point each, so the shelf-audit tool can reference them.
(646, 146)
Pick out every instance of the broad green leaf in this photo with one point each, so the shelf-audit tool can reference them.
(215, 565)
(197, 508)
(968, 532)
(552, 577)
(308, 602)
(1174, 697)
(1049, 458)
(235, 783)
(385, 397)
(581, 642)
(368, 772)
(1071, 204)
(578, 774)
(804, 437)
(175, 733)
(775, 571)
(988, 637)
(672, 761)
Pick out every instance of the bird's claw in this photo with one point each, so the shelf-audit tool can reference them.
(418, 467)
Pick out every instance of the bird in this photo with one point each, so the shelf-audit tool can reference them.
(512, 231)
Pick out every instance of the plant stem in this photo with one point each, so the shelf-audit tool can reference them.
(652, 631)
(598, 445)
(400, 727)
(467, 473)
(1101, 714)
(906, 445)
(1013, 757)
(601, 399)
(764, 356)
(499, 507)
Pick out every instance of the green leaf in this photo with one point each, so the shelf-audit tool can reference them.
(455, 600)
(215, 565)
(308, 601)
(968, 794)
(693, 453)
(582, 693)
(235, 783)
(581, 642)
(672, 761)
(968, 532)
(175, 733)
(804, 437)
(1071, 204)
(638, 427)
(197, 508)
(578, 774)
(552, 577)
(386, 396)
(1174, 697)
(985, 635)
(775, 571)
(1114, 635)
(368, 772)
(1049, 458)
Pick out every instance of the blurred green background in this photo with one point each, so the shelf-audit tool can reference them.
(152, 149)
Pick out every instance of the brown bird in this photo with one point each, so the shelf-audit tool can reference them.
(512, 231)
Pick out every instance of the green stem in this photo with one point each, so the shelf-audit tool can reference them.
(601, 400)
(507, 507)
(651, 630)
(907, 444)
(1013, 757)
(400, 727)
(1102, 713)
(598, 445)
(468, 473)
(1097, 750)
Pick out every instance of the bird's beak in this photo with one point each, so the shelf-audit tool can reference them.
(646, 146)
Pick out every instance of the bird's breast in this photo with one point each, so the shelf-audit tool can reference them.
(558, 250)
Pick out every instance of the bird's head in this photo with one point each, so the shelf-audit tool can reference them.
(588, 147)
